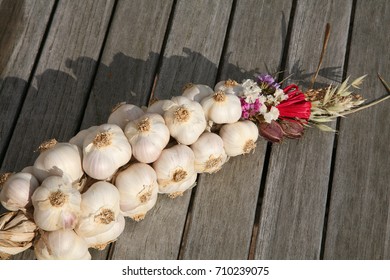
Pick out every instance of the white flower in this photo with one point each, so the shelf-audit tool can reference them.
(251, 90)
(280, 95)
(273, 114)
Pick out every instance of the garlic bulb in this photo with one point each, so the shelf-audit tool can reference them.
(124, 113)
(56, 204)
(62, 244)
(209, 153)
(16, 191)
(16, 233)
(148, 136)
(222, 107)
(57, 159)
(229, 86)
(99, 209)
(101, 240)
(185, 119)
(138, 190)
(196, 92)
(239, 138)
(175, 170)
(78, 139)
(158, 107)
(104, 151)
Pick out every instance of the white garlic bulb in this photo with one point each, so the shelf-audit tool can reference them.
(158, 107)
(124, 113)
(104, 151)
(16, 191)
(57, 159)
(196, 92)
(56, 204)
(185, 119)
(101, 240)
(62, 244)
(148, 136)
(222, 107)
(138, 190)
(78, 139)
(99, 209)
(239, 138)
(229, 86)
(209, 153)
(175, 170)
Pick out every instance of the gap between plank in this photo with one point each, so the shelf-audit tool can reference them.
(336, 137)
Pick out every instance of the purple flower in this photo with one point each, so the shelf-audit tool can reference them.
(268, 80)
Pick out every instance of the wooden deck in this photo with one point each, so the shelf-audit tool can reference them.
(65, 64)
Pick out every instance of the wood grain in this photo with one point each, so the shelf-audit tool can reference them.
(359, 213)
(54, 101)
(22, 27)
(191, 54)
(221, 221)
(293, 209)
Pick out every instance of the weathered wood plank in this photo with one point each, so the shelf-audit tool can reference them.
(191, 54)
(54, 101)
(220, 224)
(359, 213)
(293, 209)
(22, 27)
(127, 68)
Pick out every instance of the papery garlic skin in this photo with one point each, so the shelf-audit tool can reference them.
(101, 240)
(229, 86)
(78, 139)
(99, 209)
(239, 138)
(123, 114)
(57, 159)
(175, 168)
(222, 107)
(16, 191)
(104, 151)
(196, 92)
(61, 245)
(138, 190)
(185, 119)
(56, 204)
(148, 136)
(158, 106)
(209, 153)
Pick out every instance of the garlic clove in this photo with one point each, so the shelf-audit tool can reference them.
(57, 159)
(124, 113)
(56, 204)
(104, 151)
(209, 153)
(239, 138)
(16, 191)
(185, 119)
(78, 139)
(196, 92)
(62, 244)
(99, 209)
(222, 107)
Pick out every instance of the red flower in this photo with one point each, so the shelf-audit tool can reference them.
(295, 106)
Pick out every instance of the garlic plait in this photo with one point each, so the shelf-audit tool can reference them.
(138, 190)
(99, 209)
(124, 113)
(239, 138)
(62, 244)
(196, 92)
(57, 159)
(56, 204)
(104, 151)
(222, 107)
(209, 153)
(185, 119)
(148, 136)
(175, 170)
(16, 191)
